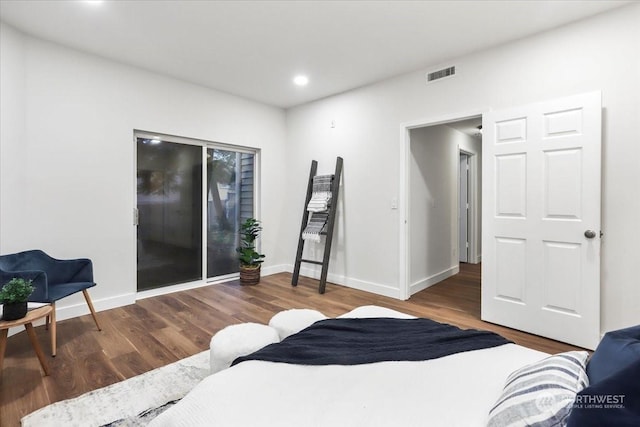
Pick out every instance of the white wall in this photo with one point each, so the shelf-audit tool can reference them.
(601, 53)
(433, 202)
(68, 155)
(13, 174)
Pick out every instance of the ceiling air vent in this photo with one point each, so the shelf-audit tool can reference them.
(441, 74)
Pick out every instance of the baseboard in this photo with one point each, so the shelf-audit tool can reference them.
(362, 285)
(81, 309)
(275, 269)
(432, 280)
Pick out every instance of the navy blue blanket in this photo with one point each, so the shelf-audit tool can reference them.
(359, 341)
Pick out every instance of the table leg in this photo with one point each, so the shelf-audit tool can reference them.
(3, 346)
(36, 347)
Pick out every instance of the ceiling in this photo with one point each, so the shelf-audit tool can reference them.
(254, 48)
(468, 126)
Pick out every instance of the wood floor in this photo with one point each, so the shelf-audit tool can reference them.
(160, 330)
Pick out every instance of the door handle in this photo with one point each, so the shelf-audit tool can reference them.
(589, 234)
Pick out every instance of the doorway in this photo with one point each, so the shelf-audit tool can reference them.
(463, 207)
(192, 197)
(443, 200)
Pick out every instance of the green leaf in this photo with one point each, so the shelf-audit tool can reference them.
(249, 231)
(16, 290)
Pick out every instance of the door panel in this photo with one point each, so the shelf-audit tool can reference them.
(563, 178)
(229, 202)
(511, 182)
(510, 269)
(541, 192)
(561, 285)
(169, 202)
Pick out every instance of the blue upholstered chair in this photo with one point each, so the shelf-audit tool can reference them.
(52, 278)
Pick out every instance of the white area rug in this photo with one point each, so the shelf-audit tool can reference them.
(125, 403)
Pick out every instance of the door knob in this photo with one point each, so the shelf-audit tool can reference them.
(589, 234)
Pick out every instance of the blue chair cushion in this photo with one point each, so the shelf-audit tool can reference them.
(617, 350)
(64, 290)
(614, 401)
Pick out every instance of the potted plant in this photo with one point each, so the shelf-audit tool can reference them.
(250, 260)
(14, 295)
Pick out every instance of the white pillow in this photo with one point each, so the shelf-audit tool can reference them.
(541, 393)
(367, 311)
(289, 322)
(239, 340)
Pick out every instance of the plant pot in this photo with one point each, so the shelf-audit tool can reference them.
(249, 275)
(14, 311)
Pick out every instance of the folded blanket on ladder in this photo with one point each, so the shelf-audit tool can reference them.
(321, 193)
(315, 226)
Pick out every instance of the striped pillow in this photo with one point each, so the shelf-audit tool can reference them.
(542, 393)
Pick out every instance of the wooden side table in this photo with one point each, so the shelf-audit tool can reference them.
(27, 321)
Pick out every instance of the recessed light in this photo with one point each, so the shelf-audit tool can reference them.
(301, 80)
(94, 2)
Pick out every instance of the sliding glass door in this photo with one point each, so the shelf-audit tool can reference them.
(191, 199)
(229, 202)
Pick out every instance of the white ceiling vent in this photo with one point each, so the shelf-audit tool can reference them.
(444, 73)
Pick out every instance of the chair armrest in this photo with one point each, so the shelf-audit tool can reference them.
(72, 270)
(38, 278)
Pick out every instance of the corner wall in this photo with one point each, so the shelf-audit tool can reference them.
(599, 53)
(68, 155)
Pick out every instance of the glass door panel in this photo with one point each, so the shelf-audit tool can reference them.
(230, 192)
(169, 201)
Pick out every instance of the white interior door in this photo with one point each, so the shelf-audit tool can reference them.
(463, 208)
(541, 219)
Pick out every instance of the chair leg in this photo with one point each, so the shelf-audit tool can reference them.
(90, 304)
(46, 323)
(53, 330)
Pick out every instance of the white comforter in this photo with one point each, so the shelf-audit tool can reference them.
(456, 390)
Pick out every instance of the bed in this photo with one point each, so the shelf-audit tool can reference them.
(459, 389)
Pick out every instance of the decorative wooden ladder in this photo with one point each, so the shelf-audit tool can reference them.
(335, 188)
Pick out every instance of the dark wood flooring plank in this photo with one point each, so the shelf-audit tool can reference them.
(131, 364)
